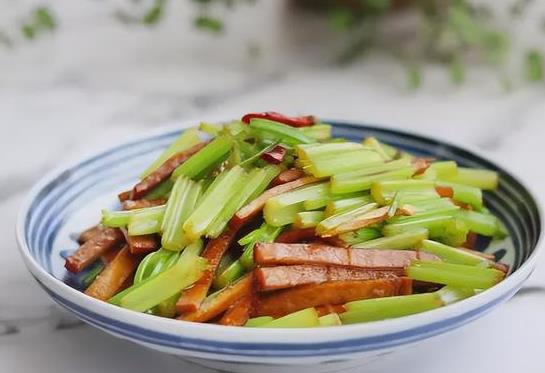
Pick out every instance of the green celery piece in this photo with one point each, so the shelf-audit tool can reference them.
(265, 233)
(451, 254)
(331, 319)
(210, 128)
(434, 224)
(403, 241)
(386, 151)
(319, 131)
(278, 217)
(343, 162)
(209, 156)
(146, 221)
(456, 275)
(308, 151)
(181, 203)
(150, 263)
(485, 224)
(156, 289)
(451, 210)
(428, 196)
(444, 168)
(334, 221)
(280, 132)
(257, 156)
(389, 307)
(426, 205)
(117, 219)
(465, 193)
(318, 203)
(211, 205)
(375, 168)
(302, 194)
(160, 191)
(453, 233)
(167, 308)
(383, 191)
(308, 219)
(187, 139)
(257, 181)
(92, 274)
(306, 318)
(449, 294)
(258, 321)
(360, 236)
(340, 184)
(233, 272)
(478, 178)
(337, 206)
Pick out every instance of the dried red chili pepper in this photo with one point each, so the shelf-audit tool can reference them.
(275, 155)
(302, 121)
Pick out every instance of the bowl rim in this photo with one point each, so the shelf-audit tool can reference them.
(261, 336)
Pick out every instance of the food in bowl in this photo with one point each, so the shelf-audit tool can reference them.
(269, 221)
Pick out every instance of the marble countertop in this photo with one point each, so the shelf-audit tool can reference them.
(96, 82)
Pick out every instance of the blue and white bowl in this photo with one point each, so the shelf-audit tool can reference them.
(69, 200)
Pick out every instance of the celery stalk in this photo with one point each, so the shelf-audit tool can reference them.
(485, 224)
(337, 206)
(478, 178)
(444, 168)
(386, 151)
(210, 128)
(375, 168)
(209, 156)
(117, 219)
(146, 221)
(320, 131)
(187, 139)
(451, 211)
(160, 191)
(464, 193)
(306, 318)
(342, 184)
(230, 274)
(451, 254)
(212, 204)
(343, 162)
(278, 217)
(302, 194)
(433, 224)
(360, 236)
(154, 290)
(336, 220)
(258, 321)
(265, 233)
(331, 319)
(181, 203)
(406, 240)
(308, 219)
(383, 191)
(280, 132)
(456, 275)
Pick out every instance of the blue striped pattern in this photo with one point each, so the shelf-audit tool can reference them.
(64, 195)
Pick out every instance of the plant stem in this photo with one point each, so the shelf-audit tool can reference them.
(406, 240)
(308, 219)
(146, 221)
(280, 132)
(306, 318)
(258, 321)
(478, 178)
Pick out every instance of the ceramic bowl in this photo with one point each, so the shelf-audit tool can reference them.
(70, 198)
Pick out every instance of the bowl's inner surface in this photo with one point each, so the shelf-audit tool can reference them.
(73, 200)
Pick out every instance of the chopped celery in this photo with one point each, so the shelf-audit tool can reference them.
(211, 205)
(383, 191)
(361, 235)
(457, 275)
(453, 233)
(386, 151)
(258, 321)
(160, 191)
(334, 221)
(433, 224)
(343, 184)
(320, 131)
(451, 254)
(337, 206)
(91, 274)
(485, 224)
(257, 155)
(465, 193)
(231, 273)
(209, 156)
(265, 233)
(331, 319)
(153, 263)
(426, 205)
(280, 132)
(342, 162)
(187, 139)
(449, 294)
(166, 284)
(146, 221)
(181, 203)
(451, 210)
(406, 240)
(299, 195)
(444, 168)
(373, 169)
(306, 318)
(318, 203)
(167, 308)
(478, 178)
(278, 217)
(308, 219)
(210, 128)
(116, 219)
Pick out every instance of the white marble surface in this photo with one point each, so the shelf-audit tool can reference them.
(96, 82)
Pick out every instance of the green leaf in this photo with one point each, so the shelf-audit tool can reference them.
(341, 19)
(534, 66)
(209, 24)
(28, 31)
(44, 19)
(154, 14)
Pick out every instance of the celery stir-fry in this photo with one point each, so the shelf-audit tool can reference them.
(271, 222)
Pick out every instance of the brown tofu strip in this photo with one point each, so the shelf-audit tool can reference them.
(124, 196)
(287, 176)
(283, 302)
(272, 254)
(372, 217)
(330, 308)
(239, 312)
(143, 244)
(191, 299)
(217, 303)
(252, 209)
(114, 276)
(297, 235)
(142, 203)
(163, 172)
(92, 249)
(275, 278)
(89, 233)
